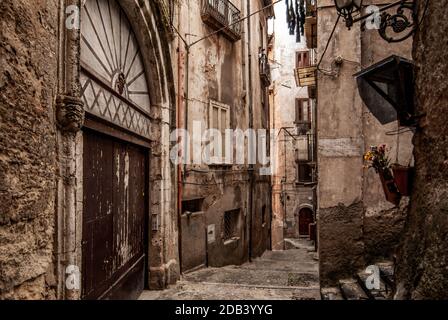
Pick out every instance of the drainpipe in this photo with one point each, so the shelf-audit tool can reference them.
(179, 125)
(251, 125)
(186, 98)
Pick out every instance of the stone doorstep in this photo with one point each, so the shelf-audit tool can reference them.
(351, 290)
(376, 294)
(387, 271)
(356, 289)
(331, 293)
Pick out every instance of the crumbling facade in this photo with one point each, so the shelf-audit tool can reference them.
(351, 198)
(293, 121)
(75, 106)
(91, 92)
(222, 79)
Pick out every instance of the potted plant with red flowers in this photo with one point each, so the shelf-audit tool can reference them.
(376, 158)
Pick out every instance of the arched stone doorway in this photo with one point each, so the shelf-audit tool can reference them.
(116, 152)
(117, 188)
(305, 217)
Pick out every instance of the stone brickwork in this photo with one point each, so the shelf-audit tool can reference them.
(356, 224)
(423, 258)
(28, 56)
(41, 148)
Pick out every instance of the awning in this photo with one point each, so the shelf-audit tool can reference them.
(387, 89)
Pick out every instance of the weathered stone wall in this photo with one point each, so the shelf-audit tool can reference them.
(28, 56)
(423, 259)
(38, 166)
(287, 195)
(346, 129)
(218, 71)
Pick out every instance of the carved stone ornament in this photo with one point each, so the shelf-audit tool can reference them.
(69, 113)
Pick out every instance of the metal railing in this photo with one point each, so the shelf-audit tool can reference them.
(265, 69)
(222, 13)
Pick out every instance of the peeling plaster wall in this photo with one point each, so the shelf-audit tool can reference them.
(288, 197)
(28, 55)
(351, 199)
(34, 156)
(218, 70)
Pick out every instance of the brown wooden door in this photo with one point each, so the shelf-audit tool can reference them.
(114, 218)
(305, 218)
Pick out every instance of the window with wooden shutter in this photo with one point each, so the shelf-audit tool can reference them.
(302, 59)
(219, 119)
(303, 111)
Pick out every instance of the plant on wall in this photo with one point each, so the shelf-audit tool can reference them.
(377, 158)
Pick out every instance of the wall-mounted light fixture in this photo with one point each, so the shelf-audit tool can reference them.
(394, 27)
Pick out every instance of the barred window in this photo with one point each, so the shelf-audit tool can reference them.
(231, 219)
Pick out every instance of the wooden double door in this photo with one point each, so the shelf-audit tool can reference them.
(115, 218)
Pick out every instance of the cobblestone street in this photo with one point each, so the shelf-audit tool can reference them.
(286, 275)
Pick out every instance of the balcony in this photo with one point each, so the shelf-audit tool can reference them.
(305, 159)
(311, 8)
(270, 9)
(265, 70)
(306, 173)
(218, 14)
(306, 76)
(303, 127)
(311, 24)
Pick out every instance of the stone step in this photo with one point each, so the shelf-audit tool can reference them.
(387, 271)
(331, 293)
(383, 293)
(291, 243)
(351, 290)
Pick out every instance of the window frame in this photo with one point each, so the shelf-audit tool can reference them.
(220, 106)
(300, 110)
(302, 62)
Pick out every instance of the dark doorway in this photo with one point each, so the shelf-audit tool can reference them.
(114, 218)
(306, 217)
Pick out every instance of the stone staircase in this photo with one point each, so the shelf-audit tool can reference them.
(355, 288)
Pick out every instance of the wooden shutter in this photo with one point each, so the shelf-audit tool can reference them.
(303, 59)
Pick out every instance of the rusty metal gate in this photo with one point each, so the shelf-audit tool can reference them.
(114, 219)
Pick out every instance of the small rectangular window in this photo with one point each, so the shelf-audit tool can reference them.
(219, 119)
(303, 111)
(192, 206)
(263, 215)
(305, 172)
(302, 59)
(231, 224)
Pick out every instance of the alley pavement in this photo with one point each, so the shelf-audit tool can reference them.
(277, 275)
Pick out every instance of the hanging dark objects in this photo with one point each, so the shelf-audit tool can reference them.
(295, 17)
(290, 17)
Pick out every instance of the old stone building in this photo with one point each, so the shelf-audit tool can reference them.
(93, 207)
(87, 109)
(222, 78)
(293, 121)
(112, 183)
(423, 256)
(351, 198)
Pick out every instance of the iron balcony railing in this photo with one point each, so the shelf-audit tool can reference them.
(265, 69)
(222, 13)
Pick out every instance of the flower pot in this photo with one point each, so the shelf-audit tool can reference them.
(389, 187)
(404, 177)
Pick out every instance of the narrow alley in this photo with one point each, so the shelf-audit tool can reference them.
(278, 275)
(223, 149)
